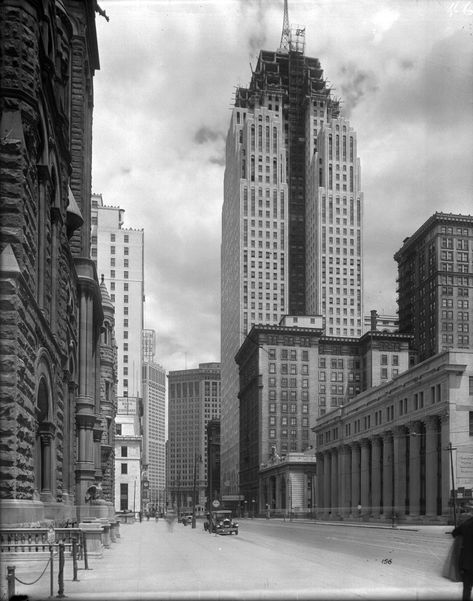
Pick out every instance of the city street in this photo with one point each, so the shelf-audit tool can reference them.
(269, 559)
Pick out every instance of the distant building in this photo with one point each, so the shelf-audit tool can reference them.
(290, 375)
(154, 423)
(435, 279)
(194, 400)
(389, 451)
(383, 323)
(128, 449)
(118, 253)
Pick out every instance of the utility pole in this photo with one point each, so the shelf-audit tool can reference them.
(193, 491)
(451, 449)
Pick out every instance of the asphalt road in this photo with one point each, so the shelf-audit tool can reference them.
(269, 559)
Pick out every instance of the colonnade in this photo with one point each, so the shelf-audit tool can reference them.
(402, 472)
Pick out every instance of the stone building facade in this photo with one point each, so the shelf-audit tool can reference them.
(52, 314)
(292, 374)
(400, 448)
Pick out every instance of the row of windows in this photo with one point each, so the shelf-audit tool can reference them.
(285, 433)
(463, 340)
(288, 382)
(285, 395)
(461, 257)
(126, 238)
(289, 354)
(447, 326)
(288, 421)
(288, 408)
(126, 249)
(462, 244)
(339, 376)
(125, 263)
(290, 368)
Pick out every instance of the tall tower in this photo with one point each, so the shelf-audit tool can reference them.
(118, 253)
(154, 422)
(291, 217)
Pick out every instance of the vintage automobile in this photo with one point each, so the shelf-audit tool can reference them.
(186, 518)
(221, 522)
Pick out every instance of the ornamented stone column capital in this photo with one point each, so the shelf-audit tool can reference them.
(47, 430)
(364, 442)
(431, 422)
(345, 449)
(399, 432)
(376, 440)
(444, 417)
(415, 427)
(387, 436)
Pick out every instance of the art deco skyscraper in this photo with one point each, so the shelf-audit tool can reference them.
(291, 218)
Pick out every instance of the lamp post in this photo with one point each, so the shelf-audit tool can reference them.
(193, 491)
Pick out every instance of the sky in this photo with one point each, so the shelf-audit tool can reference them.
(162, 100)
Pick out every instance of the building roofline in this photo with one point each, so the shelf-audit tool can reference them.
(427, 225)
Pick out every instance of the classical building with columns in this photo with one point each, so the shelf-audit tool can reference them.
(287, 484)
(400, 448)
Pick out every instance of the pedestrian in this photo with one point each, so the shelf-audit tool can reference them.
(465, 530)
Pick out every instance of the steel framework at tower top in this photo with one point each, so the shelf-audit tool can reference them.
(291, 40)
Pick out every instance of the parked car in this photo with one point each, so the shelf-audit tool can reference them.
(221, 522)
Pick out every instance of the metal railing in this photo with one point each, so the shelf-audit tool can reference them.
(23, 542)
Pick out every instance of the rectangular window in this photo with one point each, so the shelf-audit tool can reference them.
(124, 452)
(123, 496)
(124, 468)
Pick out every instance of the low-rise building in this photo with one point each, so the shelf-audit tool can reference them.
(391, 451)
(128, 451)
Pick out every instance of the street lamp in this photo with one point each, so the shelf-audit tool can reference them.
(193, 492)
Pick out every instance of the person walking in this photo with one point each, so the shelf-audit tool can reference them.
(465, 530)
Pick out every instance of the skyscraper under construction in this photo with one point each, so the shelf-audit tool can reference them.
(291, 218)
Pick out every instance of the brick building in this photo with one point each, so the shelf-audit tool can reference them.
(55, 414)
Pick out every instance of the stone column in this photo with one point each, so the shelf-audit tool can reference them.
(334, 483)
(387, 475)
(376, 468)
(414, 469)
(365, 477)
(446, 476)
(344, 470)
(327, 480)
(46, 433)
(319, 491)
(431, 465)
(400, 469)
(355, 478)
(46, 464)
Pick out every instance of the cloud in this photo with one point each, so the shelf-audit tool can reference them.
(206, 134)
(355, 84)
